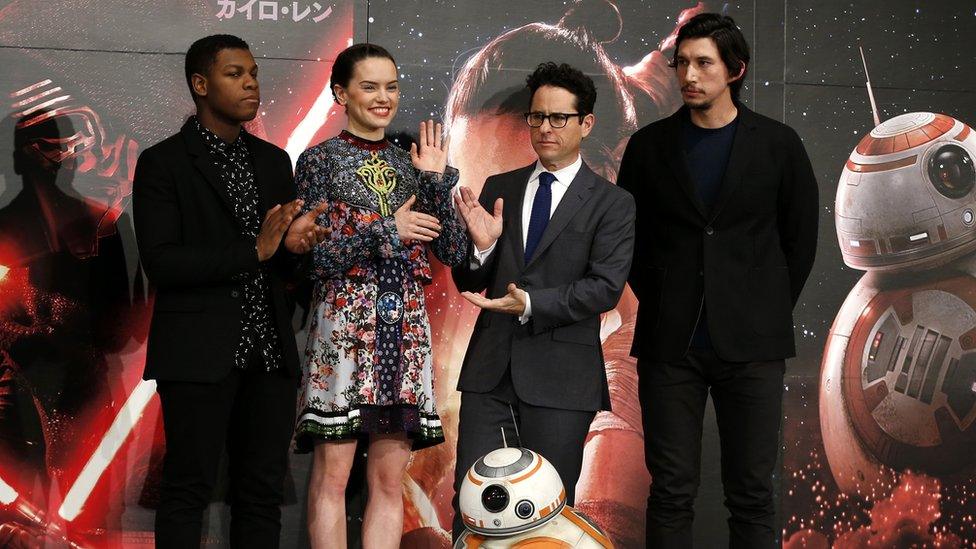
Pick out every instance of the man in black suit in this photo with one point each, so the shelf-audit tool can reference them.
(221, 346)
(727, 221)
(550, 264)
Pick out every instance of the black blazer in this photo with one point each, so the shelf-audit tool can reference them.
(747, 259)
(578, 271)
(191, 246)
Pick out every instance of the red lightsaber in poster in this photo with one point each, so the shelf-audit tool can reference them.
(125, 420)
(10, 499)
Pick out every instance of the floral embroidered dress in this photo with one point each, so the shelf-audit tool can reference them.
(368, 366)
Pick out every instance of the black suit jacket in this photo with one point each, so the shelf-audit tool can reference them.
(747, 260)
(577, 272)
(192, 246)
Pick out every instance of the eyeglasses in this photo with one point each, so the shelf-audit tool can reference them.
(556, 119)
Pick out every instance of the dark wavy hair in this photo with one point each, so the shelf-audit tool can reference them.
(568, 78)
(731, 44)
(345, 63)
(202, 55)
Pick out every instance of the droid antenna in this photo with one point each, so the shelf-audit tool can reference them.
(874, 106)
(515, 424)
(504, 442)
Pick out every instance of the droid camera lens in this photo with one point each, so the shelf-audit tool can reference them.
(524, 509)
(968, 217)
(494, 498)
(951, 171)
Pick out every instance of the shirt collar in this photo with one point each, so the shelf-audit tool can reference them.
(564, 176)
(214, 142)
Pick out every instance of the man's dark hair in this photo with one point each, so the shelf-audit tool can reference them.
(202, 55)
(731, 44)
(345, 63)
(568, 78)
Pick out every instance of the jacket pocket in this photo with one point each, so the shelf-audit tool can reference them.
(577, 333)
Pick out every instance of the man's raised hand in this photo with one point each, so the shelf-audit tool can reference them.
(484, 227)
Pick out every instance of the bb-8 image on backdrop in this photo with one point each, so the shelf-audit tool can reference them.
(898, 378)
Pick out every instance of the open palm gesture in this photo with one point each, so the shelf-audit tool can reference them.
(430, 155)
(484, 227)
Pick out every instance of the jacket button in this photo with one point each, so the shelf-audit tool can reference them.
(235, 294)
(709, 230)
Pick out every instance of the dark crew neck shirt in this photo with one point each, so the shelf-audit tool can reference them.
(706, 152)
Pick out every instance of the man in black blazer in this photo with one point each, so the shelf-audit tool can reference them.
(549, 264)
(727, 226)
(212, 205)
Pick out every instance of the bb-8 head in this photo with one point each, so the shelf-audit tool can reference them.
(509, 491)
(907, 196)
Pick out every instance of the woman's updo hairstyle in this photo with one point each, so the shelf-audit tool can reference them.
(345, 63)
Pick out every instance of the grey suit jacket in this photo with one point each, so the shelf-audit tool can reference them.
(578, 272)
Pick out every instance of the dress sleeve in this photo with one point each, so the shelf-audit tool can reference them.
(436, 198)
(354, 235)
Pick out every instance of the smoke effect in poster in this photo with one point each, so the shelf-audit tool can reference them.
(881, 400)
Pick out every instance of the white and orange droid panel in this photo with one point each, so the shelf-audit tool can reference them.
(513, 497)
(906, 196)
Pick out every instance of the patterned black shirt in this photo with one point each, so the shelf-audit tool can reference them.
(233, 161)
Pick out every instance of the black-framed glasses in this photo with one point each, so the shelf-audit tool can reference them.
(556, 119)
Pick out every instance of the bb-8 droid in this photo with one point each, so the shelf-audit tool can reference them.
(898, 379)
(513, 497)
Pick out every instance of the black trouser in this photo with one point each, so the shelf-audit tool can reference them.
(558, 435)
(748, 400)
(253, 412)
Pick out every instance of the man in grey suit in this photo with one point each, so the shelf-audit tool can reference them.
(549, 264)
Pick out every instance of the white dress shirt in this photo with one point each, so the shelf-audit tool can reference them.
(564, 177)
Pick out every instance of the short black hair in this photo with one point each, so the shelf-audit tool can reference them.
(731, 44)
(202, 55)
(566, 77)
(345, 63)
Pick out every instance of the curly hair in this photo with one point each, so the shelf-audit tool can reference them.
(568, 78)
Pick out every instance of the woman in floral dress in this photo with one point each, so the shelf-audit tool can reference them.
(368, 370)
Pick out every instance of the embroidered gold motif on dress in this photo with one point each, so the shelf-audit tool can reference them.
(379, 177)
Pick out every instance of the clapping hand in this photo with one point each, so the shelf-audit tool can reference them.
(304, 233)
(276, 223)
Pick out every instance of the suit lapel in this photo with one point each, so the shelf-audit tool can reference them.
(576, 195)
(518, 183)
(674, 155)
(205, 165)
(739, 158)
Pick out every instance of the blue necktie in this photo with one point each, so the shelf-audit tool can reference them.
(540, 213)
